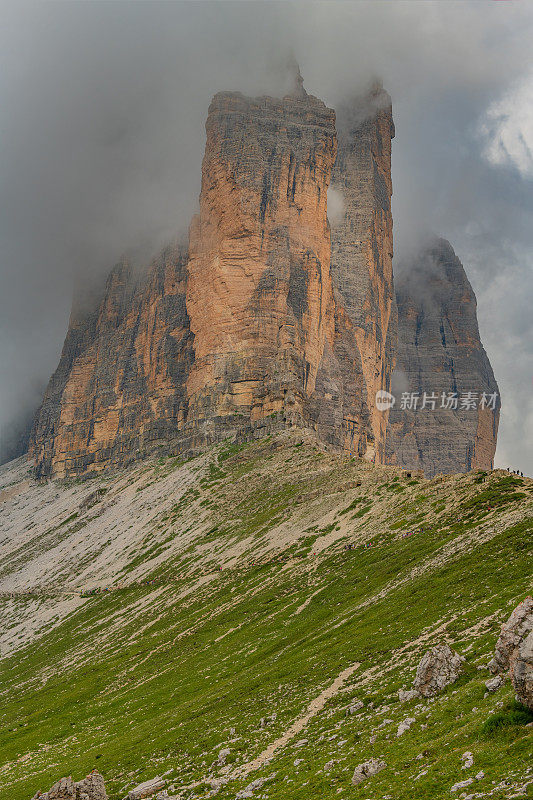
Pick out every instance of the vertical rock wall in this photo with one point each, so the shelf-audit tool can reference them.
(361, 243)
(120, 384)
(270, 317)
(440, 353)
(259, 292)
(244, 330)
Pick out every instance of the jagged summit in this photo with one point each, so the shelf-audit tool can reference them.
(270, 316)
(243, 331)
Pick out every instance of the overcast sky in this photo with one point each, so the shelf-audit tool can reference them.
(102, 132)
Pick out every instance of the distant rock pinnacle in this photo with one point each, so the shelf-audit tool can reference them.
(298, 82)
(440, 354)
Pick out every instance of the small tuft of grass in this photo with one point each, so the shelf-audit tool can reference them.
(512, 715)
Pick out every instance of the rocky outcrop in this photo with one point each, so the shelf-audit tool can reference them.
(242, 330)
(366, 770)
(442, 367)
(90, 788)
(146, 789)
(513, 655)
(493, 684)
(361, 243)
(522, 672)
(513, 634)
(273, 315)
(120, 387)
(438, 668)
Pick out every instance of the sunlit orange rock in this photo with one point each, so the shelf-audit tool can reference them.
(242, 331)
(271, 315)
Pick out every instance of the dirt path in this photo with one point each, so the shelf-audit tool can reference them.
(314, 707)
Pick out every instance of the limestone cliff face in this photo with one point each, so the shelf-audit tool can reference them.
(259, 293)
(361, 242)
(270, 337)
(440, 353)
(120, 384)
(244, 329)
(268, 317)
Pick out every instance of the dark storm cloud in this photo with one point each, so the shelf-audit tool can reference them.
(102, 133)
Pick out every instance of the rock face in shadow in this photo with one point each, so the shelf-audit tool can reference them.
(440, 354)
(512, 635)
(120, 387)
(513, 654)
(242, 330)
(361, 243)
(522, 673)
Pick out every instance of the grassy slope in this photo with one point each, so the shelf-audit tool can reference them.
(149, 679)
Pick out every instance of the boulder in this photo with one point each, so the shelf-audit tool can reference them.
(493, 684)
(405, 725)
(90, 788)
(513, 633)
(354, 708)
(438, 668)
(407, 694)
(265, 721)
(146, 789)
(366, 770)
(522, 672)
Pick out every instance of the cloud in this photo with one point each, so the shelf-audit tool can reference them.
(507, 129)
(506, 324)
(103, 111)
(335, 206)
